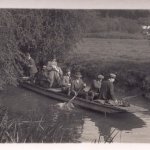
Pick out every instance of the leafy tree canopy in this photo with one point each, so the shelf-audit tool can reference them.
(43, 33)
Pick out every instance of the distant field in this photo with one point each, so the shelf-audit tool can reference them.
(128, 58)
(110, 50)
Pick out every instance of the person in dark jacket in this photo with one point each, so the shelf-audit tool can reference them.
(107, 89)
(31, 67)
(95, 87)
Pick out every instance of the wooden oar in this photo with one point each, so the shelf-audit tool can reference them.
(68, 105)
(70, 101)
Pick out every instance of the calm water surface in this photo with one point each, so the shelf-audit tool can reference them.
(81, 125)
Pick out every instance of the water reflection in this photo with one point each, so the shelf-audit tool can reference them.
(28, 106)
(112, 125)
(75, 126)
(71, 123)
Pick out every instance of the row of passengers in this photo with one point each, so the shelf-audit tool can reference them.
(52, 76)
(51, 72)
(69, 85)
(99, 89)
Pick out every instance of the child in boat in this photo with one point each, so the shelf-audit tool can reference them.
(32, 69)
(66, 82)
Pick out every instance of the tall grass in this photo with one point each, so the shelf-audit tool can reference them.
(16, 130)
(30, 132)
(108, 138)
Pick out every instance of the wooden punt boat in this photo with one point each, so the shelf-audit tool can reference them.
(86, 104)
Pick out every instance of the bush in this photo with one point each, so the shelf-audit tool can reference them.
(43, 33)
(10, 56)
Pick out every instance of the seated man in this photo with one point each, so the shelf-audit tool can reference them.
(31, 67)
(54, 74)
(95, 87)
(41, 78)
(107, 89)
(77, 86)
(66, 82)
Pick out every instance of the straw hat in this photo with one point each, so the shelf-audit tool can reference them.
(100, 76)
(112, 75)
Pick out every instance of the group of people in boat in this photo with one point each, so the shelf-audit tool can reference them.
(51, 76)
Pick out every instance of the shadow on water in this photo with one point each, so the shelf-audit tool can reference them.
(111, 125)
(25, 105)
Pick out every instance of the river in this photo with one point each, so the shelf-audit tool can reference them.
(81, 126)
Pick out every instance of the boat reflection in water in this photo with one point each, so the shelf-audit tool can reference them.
(77, 125)
(109, 128)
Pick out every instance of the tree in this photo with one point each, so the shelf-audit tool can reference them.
(43, 33)
(9, 53)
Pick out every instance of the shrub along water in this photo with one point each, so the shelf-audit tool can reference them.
(43, 33)
(130, 75)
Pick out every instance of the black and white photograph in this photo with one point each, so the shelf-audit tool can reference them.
(74, 75)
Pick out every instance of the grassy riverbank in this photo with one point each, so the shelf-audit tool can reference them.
(128, 58)
(114, 50)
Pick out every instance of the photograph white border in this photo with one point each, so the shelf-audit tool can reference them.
(75, 4)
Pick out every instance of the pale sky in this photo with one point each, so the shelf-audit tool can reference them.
(77, 4)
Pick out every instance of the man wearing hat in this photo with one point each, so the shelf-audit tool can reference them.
(77, 86)
(107, 89)
(66, 82)
(96, 86)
